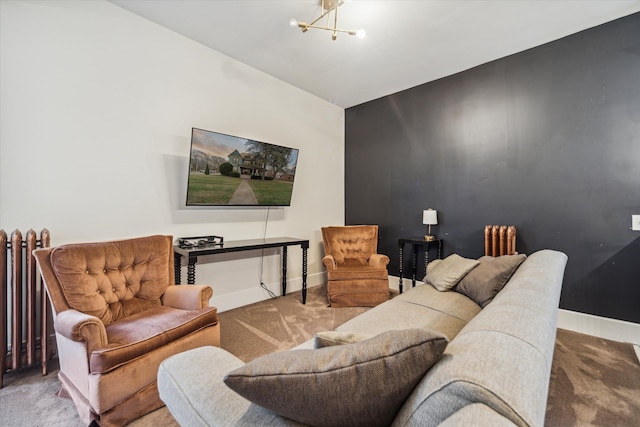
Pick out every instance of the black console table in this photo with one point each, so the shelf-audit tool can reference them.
(192, 254)
(417, 243)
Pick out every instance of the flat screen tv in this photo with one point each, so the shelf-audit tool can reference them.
(227, 170)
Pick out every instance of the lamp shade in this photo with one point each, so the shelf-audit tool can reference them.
(430, 217)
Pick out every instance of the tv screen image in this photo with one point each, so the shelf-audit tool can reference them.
(226, 170)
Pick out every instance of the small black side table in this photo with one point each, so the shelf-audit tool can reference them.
(417, 243)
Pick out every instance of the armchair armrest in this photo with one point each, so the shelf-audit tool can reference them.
(81, 327)
(329, 262)
(187, 297)
(379, 261)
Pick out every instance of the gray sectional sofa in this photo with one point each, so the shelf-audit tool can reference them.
(494, 371)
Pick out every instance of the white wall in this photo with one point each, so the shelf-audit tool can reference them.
(97, 106)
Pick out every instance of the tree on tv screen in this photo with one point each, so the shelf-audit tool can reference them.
(276, 157)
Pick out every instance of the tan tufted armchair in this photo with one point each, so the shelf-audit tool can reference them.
(117, 315)
(357, 275)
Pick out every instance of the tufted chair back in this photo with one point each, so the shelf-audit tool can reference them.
(111, 280)
(351, 244)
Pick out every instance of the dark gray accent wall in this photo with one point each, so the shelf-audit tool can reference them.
(547, 140)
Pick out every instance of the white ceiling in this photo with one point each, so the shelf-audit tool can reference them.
(409, 42)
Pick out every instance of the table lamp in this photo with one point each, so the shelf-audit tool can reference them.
(429, 217)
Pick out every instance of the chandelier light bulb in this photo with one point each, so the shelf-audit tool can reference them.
(328, 7)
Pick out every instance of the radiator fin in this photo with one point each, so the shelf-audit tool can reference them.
(24, 336)
(499, 240)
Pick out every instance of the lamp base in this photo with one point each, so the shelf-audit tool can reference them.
(429, 238)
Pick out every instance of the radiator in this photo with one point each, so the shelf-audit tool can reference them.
(499, 240)
(25, 315)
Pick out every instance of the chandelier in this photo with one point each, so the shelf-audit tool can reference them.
(328, 6)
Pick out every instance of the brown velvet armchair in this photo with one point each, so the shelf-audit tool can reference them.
(117, 315)
(357, 275)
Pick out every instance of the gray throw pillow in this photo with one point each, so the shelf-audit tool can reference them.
(329, 338)
(432, 265)
(360, 384)
(448, 272)
(484, 282)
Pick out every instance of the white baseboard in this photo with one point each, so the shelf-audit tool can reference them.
(603, 327)
(244, 297)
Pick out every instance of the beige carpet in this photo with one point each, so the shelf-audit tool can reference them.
(594, 382)
(29, 399)
(281, 323)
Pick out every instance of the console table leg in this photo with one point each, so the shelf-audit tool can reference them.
(191, 272)
(284, 270)
(304, 275)
(177, 265)
(400, 268)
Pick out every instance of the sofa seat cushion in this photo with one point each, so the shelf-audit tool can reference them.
(360, 384)
(357, 272)
(452, 303)
(141, 333)
(419, 307)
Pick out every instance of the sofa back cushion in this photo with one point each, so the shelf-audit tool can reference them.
(113, 280)
(502, 357)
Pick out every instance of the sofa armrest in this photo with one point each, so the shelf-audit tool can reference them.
(81, 327)
(329, 262)
(187, 297)
(192, 386)
(379, 261)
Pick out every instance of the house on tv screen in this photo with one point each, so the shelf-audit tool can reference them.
(253, 164)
